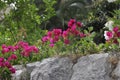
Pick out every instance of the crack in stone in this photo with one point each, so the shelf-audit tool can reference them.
(74, 62)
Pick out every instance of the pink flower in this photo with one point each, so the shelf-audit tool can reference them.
(16, 47)
(115, 29)
(45, 38)
(25, 54)
(1, 64)
(108, 35)
(28, 49)
(22, 44)
(51, 45)
(51, 40)
(12, 70)
(79, 24)
(65, 34)
(9, 58)
(118, 34)
(82, 34)
(1, 59)
(49, 33)
(68, 30)
(13, 56)
(57, 32)
(73, 28)
(66, 41)
(71, 22)
(11, 48)
(5, 50)
(7, 64)
(76, 32)
(115, 41)
(35, 49)
(56, 38)
(4, 46)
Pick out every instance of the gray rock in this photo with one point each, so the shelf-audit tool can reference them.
(31, 66)
(116, 72)
(93, 67)
(53, 69)
(18, 67)
(21, 73)
(90, 67)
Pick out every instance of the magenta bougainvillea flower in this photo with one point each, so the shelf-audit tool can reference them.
(79, 24)
(13, 70)
(57, 34)
(66, 41)
(112, 35)
(65, 34)
(116, 29)
(108, 35)
(7, 64)
(71, 22)
(1, 59)
(5, 50)
(27, 49)
(51, 45)
(24, 47)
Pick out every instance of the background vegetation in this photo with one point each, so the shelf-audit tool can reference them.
(29, 25)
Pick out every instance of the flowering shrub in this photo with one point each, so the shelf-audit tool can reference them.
(112, 36)
(113, 33)
(57, 34)
(9, 56)
(73, 40)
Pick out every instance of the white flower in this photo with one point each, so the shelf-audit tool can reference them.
(110, 1)
(109, 25)
(12, 5)
(105, 35)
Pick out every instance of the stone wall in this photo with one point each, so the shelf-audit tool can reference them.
(91, 67)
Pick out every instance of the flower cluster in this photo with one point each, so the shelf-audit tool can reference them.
(26, 49)
(57, 34)
(112, 35)
(6, 64)
(52, 36)
(6, 61)
(6, 49)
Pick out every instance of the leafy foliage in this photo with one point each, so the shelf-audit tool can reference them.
(22, 21)
(67, 9)
(100, 14)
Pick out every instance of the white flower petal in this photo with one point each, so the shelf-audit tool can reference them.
(109, 25)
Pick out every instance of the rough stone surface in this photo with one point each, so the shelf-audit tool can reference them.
(55, 69)
(31, 66)
(90, 67)
(21, 73)
(93, 67)
(116, 72)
